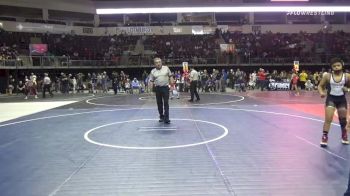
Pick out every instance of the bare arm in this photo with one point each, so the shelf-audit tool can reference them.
(347, 80)
(322, 85)
(346, 87)
(171, 77)
(150, 81)
(171, 80)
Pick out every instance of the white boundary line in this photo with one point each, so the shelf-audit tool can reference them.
(157, 128)
(126, 109)
(151, 130)
(45, 99)
(101, 104)
(317, 146)
(251, 95)
(147, 97)
(241, 98)
(10, 96)
(83, 98)
(86, 136)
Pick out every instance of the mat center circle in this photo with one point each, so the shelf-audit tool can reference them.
(150, 132)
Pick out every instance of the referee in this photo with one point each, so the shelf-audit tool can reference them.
(194, 78)
(159, 78)
(347, 193)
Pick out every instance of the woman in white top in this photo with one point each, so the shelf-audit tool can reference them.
(337, 84)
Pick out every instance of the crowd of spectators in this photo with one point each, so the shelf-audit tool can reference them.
(89, 47)
(66, 83)
(197, 49)
(8, 52)
(214, 80)
(305, 47)
(73, 46)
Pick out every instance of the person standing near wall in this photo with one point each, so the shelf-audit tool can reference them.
(47, 85)
(194, 78)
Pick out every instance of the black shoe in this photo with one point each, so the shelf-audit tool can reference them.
(161, 119)
(198, 99)
(190, 100)
(167, 121)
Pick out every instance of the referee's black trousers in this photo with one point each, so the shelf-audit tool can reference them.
(193, 90)
(162, 96)
(347, 193)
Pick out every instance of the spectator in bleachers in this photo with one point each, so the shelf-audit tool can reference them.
(127, 86)
(252, 81)
(269, 47)
(31, 86)
(294, 82)
(223, 80)
(136, 86)
(261, 82)
(302, 79)
(64, 83)
(11, 85)
(21, 87)
(309, 86)
(74, 85)
(115, 82)
(47, 85)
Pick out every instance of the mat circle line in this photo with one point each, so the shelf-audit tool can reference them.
(88, 139)
(241, 98)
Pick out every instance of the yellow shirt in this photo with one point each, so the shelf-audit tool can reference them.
(303, 77)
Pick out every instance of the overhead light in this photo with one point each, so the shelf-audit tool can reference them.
(265, 9)
(20, 26)
(289, 0)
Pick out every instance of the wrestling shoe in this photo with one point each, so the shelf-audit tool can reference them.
(344, 138)
(324, 141)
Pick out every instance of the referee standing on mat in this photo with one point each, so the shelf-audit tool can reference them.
(194, 78)
(347, 193)
(159, 78)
